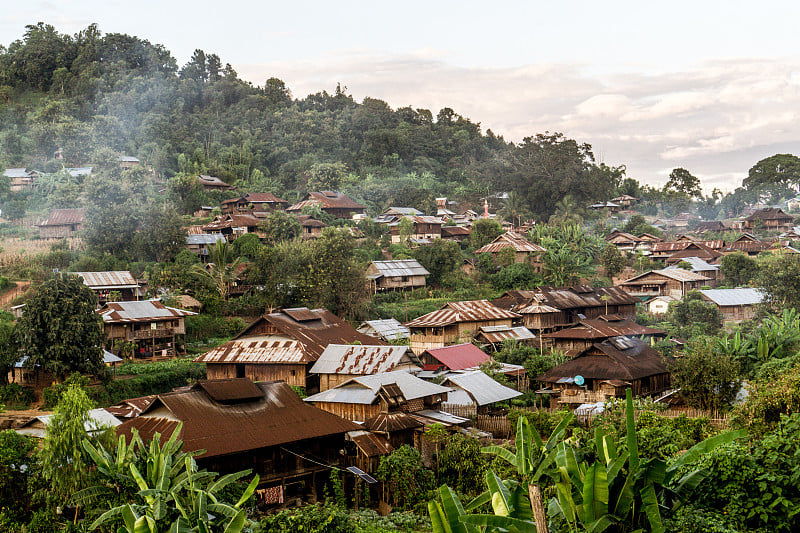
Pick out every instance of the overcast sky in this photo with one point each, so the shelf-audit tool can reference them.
(707, 85)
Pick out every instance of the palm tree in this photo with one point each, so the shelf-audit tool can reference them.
(222, 268)
(514, 208)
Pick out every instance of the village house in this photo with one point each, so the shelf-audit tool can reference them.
(735, 304)
(437, 362)
(694, 249)
(605, 370)
(475, 392)
(311, 227)
(496, 336)
(524, 250)
(128, 161)
(394, 214)
(699, 266)
(212, 183)
(769, 219)
(666, 282)
(665, 249)
(660, 304)
(283, 345)
(334, 203)
(387, 330)
(611, 207)
(574, 340)
(115, 285)
(626, 242)
(399, 274)
(425, 228)
(253, 201)
(238, 424)
(96, 422)
(200, 243)
(394, 404)
(550, 309)
(626, 201)
(340, 362)
(21, 178)
(443, 208)
(149, 328)
(232, 226)
(454, 323)
(748, 244)
(458, 234)
(682, 220)
(62, 223)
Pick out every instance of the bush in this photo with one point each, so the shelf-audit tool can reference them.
(14, 395)
(52, 395)
(200, 327)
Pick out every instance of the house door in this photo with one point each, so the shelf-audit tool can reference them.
(240, 370)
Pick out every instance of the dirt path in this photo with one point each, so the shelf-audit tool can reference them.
(8, 297)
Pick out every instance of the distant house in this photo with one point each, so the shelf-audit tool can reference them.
(392, 403)
(496, 336)
(396, 275)
(660, 304)
(625, 201)
(97, 421)
(437, 362)
(699, 266)
(152, 328)
(128, 161)
(627, 242)
(735, 304)
(607, 369)
(340, 362)
(611, 207)
(290, 444)
(550, 309)
(334, 203)
(475, 389)
(524, 250)
(455, 322)
(311, 227)
(769, 219)
(694, 249)
(283, 345)
(443, 207)
(212, 183)
(232, 226)
(21, 178)
(710, 225)
(393, 213)
(62, 223)
(666, 249)
(747, 244)
(388, 330)
(666, 282)
(79, 172)
(105, 284)
(425, 227)
(455, 233)
(201, 243)
(575, 340)
(253, 201)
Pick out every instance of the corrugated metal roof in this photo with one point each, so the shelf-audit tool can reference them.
(110, 358)
(212, 181)
(498, 334)
(360, 359)
(459, 356)
(482, 389)
(388, 329)
(370, 444)
(466, 311)
(698, 265)
(512, 240)
(326, 200)
(98, 420)
(598, 328)
(128, 159)
(17, 173)
(390, 422)
(144, 311)
(400, 267)
(278, 417)
(266, 350)
(400, 211)
(727, 297)
(429, 416)
(204, 238)
(113, 279)
(64, 217)
(364, 389)
(131, 407)
(79, 171)
(677, 274)
(575, 297)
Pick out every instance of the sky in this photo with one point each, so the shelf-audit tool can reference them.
(709, 86)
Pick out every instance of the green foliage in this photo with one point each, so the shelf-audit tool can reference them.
(738, 269)
(708, 378)
(484, 231)
(247, 246)
(439, 258)
(60, 331)
(203, 326)
(515, 276)
(779, 276)
(14, 396)
(52, 395)
(694, 316)
(279, 227)
(637, 225)
(682, 181)
(16, 465)
(612, 260)
(408, 480)
(333, 519)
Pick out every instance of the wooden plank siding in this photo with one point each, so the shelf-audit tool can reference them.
(294, 375)
(438, 337)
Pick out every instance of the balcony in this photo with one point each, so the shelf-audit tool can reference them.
(579, 397)
(157, 333)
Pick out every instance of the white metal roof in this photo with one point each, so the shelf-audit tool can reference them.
(112, 279)
(360, 359)
(481, 388)
(204, 238)
(364, 389)
(388, 329)
(98, 420)
(400, 267)
(698, 265)
(728, 297)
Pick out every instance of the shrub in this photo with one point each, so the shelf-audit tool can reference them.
(14, 395)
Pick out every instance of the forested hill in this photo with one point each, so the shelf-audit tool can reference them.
(96, 95)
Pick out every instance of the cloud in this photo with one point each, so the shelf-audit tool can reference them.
(717, 118)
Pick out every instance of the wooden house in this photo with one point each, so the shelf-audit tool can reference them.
(747, 244)
(574, 340)
(201, 243)
(550, 309)
(735, 304)
(626, 201)
(212, 183)
(437, 362)
(458, 234)
(311, 228)
(387, 330)
(128, 161)
(693, 249)
(524, 250)
(282, 346)
(21, 178)
(334, 203)
(607, 369)
(666, 249)
(341, 362)
(119, 285)
(253, 201)
(666, 282)
(238, 424)
(425, 227)
(96, 422)
(62, 223)
(455, 322)
(231, 226)
(496, 336)
(626, 242)
(699, 266)
(152, 328)
(399, 274)
(769, 219)
(476, 391)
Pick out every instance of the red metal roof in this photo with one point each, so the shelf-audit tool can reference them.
(459, 356)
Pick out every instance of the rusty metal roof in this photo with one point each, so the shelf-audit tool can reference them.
(212, 181)
(498, 334)
(64, 217)
(664, 247)
(466, 311)
(362, 359)
(575, 297)
(600, 328)
(144, 311)
(266, 350)
(676, 274)
(277, 417)
(512, 240)
(131, 407)
(370, 444)
(231, 390)
(114, 279)
(390, 422)
(326, 200)
(232, 221)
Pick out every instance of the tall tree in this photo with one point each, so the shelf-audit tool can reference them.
(682, 181)
(222, 268)
(60, 331)
(779, 169)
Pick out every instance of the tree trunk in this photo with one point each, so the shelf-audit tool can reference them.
(537, 507)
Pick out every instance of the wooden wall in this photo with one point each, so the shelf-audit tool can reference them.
(357, 412)
(291, 374)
